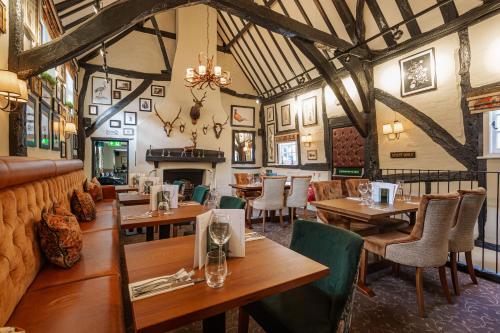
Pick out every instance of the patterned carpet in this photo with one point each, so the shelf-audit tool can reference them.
(394, 308)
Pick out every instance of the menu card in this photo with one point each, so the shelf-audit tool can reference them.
(384, 192)
(160, 192)
(236, 243)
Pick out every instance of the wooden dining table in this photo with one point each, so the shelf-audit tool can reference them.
(267, 269)
(134, 198)
(136, 217)
(125, 188)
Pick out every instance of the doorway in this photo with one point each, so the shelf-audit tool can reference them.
(110, 161)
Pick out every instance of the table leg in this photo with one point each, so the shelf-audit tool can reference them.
(150, 234)
(164, 231)
(413, 218)
(215, 324)
(363, 267)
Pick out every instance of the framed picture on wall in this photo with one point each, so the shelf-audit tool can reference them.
(123, 85)
(286, 116)
(115, 124)
(312, 155)
(145, 104)
(158, 91)
(46, 95)
(101, 90)
(44, 126)
(309, 112)
(63, 149)
(242, 116)
(128, 131)
(56, 132)
(93, 110)
(3, 17)
(74, 139)
(270, 114)
(271, 144)
(117, 94)
(130, 118)
(31, 121)
(418, 73)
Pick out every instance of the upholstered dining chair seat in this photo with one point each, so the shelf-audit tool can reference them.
(227, 202)
(377, 243)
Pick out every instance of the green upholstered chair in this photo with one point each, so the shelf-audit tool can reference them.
(180, 183)
(321, 306)
(227, 202)
(200, 193)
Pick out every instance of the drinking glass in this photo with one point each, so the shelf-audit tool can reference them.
(363, 190)
(400, 191)
(215, 269)
(211, 204)
(164, 208)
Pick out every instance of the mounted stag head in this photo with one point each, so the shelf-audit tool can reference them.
(196, 108)
(205, 129)
(218, 127)
(168, 126)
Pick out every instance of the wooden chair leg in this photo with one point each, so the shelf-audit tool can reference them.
(264, 221)
(395, 269)
(281, 217)
(420, 291)
(363, 266)
(454, 274)
(444, 283)
(470, 266)
(243, 320)
(292, 210)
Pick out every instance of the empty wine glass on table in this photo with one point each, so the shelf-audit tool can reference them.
(211, 204)
(400, 191)
(215, 269)
(363, 190)
(220, 232)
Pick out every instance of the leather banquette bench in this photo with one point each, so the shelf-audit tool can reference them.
(38, 296)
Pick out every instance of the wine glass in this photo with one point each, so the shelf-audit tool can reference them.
(211, 204)
(400, 191)
(363, 190)
(215, 269)
(219, 230)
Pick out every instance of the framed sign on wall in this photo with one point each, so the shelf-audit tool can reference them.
(31, 121)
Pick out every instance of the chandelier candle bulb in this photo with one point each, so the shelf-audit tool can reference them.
(202, 70)
(189, 73)
(387, 129)
(398, 127)
(217, 71)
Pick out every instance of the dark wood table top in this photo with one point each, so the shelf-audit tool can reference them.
(182, 214)
(124, 188)
(129, 199)
(353, 208)
(267, 269)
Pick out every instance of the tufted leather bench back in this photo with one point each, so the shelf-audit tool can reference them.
(26, 188)
(348, 148)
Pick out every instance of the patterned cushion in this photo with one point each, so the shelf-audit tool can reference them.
(83, 206)
(60, 239)
(94, 189)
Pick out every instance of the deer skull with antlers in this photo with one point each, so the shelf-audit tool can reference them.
(196, 108)
(218, 127)
(168, 126)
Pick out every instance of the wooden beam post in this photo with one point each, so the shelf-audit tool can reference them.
(168, 68)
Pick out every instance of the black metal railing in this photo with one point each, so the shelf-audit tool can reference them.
(419, 182)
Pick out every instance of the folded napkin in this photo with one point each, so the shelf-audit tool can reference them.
(188, 203)
(161, 284)
(354, 198)
(251, 236)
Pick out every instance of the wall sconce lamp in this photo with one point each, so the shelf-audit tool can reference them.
(12, 90)
(394, 130)
(307, 140)
(69, 129)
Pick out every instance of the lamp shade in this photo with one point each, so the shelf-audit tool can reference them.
(70, 128)
(398, 127)
(9, 85)
(23, 91)
(387, 129)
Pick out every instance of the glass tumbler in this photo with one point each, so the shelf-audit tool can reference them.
(215, 269)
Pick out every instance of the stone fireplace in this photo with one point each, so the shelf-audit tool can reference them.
(190, 177)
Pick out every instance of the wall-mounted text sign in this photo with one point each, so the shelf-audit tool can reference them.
(349, 172)
(403, 154)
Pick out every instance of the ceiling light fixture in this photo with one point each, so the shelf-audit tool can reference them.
(207, 74)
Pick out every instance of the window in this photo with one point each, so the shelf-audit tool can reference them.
(495, 132)
(287, 153)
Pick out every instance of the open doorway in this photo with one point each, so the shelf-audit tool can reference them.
(110, 161)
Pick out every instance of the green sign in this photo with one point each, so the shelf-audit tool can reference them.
(349, 171)
(114, 143)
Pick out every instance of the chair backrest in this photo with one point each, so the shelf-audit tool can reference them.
(228, 202)
(461, 238)
(297, 197)
(241, 178)
(328, 189)
(200, 193)
(273, 190)
(179, 183)
(352, 186)
(336, 248)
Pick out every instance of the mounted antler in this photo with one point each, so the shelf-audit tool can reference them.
(168, 126)
(205, 129)
(196, 108)
(218, 127)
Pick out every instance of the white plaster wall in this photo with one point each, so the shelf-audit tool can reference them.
(485, 50)
(4, 117)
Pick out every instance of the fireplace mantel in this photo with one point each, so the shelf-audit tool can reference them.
(197, 156)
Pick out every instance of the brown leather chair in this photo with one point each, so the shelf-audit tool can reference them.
(352, 186)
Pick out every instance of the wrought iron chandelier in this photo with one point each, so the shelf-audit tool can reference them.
(207, 74)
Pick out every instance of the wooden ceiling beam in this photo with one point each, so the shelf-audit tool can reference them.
(407, 13)
(163, 49)
(66, 4)
(380, 21)
(75, 10)
(110, 20)
(448, 10)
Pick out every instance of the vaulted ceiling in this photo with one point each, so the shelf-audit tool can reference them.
(273, 64)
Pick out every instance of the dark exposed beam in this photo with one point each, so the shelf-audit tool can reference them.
(332, 77)
(407, 12)
(286, 26)
(347, 19)
(380, 21)
(75, 10)
(165, 34)
(77, 21)
(222, 49)
(111, 111)
(448, 10)
(66, 4)
(237, 94)
(360, 20)
(110, 20)
(128, 73)
(81, 104)
(163, 49)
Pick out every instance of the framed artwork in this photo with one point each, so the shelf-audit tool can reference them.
(243, 147)
(31, 121)
(286, 116)
(312, 155)
(158, 91)
(93, 110)
(309, 112)
(123, 85)
(58, 90)
(129, 118)
(242, 116)
(56, 132)
(117, 94)
(63, 149)
(44, 126)
(128, 132)
(46, 95)
(270, 114)
(271, 144)
(74, 139)
(115, 124)
(30, 18)
(418, 73)
(101, 90)
(145, 104)
(3, 18)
